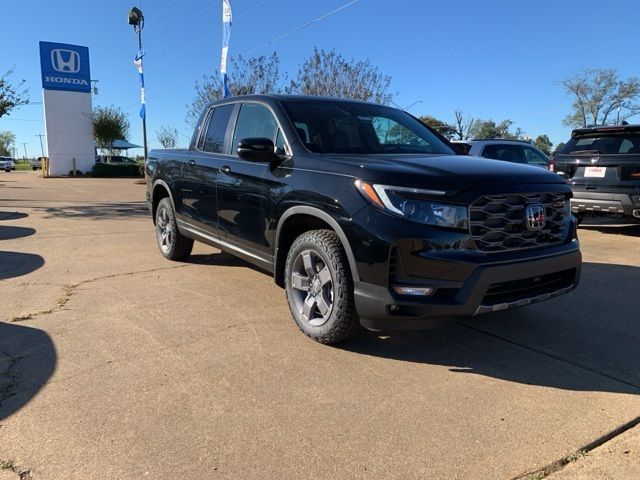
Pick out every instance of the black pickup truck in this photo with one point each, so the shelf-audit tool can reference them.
(365, 216)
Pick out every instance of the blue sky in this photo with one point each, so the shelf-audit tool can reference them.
(493, 59)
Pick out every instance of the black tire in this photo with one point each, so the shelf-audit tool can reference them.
(320, 252)
(172, 244)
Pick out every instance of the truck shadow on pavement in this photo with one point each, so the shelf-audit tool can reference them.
(587, 340)
(27, 361)
(103, 211)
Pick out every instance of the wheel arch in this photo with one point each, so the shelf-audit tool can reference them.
(304, 218)
(160, 190)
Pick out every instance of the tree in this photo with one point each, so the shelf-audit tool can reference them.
(11, 96)
(7, 140)
(491, 129)
(246, 76)
(439, 126)
(327, 73)
(559, 147)
(167, 136)
(598, 93)
(543, 144)
(463, 127)
(109, 124)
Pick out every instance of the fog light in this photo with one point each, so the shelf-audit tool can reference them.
(414, 291)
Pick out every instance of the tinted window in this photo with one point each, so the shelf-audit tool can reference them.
(507, 153)
(604, 144)
(360, 128)
(534, 157)
(214, 138)
(254, 120)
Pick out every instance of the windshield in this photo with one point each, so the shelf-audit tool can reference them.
(603, 144)
(359, 128)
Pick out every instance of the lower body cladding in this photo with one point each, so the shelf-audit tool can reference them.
(603, 203)
(483, 285)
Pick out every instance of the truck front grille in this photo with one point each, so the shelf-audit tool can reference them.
(498, 223)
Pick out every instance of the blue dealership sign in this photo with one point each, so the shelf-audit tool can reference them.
(65, 67)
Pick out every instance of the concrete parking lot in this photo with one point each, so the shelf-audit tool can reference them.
(117, 364)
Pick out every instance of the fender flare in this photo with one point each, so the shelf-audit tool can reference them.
(324, 216)
(167, 188)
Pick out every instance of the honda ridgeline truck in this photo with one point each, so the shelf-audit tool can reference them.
(365, 216)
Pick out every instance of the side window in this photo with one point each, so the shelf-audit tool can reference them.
(254, 120)
(534, 157)
(626, 145)
(218, 121)
(506, 153)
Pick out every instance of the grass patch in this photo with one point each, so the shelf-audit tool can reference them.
(23, 166)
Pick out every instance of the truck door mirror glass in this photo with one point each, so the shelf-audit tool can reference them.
(256, 149)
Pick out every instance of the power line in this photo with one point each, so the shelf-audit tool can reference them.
(251, 9)
(199, 14)
(291, 32)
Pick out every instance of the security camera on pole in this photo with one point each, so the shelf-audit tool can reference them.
(136, 18)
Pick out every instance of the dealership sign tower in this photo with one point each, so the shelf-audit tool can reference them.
(66, 83)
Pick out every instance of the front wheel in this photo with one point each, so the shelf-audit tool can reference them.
(173, 245)
(319, 287)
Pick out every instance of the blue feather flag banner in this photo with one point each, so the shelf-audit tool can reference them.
(138, 63)
(226, 35)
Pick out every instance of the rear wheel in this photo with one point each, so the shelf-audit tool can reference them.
(319, 287)
(173, 245)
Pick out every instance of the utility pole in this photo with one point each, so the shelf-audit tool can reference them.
(24, 144)
(41, 146)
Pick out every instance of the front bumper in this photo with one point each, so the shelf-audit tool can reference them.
(487, 287)
(603, 203)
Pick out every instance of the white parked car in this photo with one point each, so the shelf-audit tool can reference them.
(7, 164)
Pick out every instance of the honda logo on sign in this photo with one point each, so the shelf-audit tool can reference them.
(67, 61)
(535, 217)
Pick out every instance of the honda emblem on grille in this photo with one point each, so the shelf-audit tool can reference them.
(535, 217)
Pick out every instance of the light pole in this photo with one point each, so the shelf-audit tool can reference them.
(24, 144)
(136, 18)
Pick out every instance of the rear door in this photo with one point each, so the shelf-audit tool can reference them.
(198, 196)
(601, 160)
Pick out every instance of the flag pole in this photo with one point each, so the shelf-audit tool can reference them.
(227, 18)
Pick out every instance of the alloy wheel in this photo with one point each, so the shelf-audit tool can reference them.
(312, 287)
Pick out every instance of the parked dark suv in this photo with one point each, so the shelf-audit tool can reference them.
(602, 164)
(364, 215)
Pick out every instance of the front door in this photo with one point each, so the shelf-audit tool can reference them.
(247, 190)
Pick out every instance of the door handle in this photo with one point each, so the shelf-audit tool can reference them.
(226, 169)
(191, 163)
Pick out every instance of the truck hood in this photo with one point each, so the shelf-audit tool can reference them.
(447, 172)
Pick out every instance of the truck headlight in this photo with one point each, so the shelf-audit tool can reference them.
(414, 204)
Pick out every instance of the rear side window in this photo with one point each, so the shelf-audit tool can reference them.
(507, 153)
(603, 144)
(213, 140)
(254, 120)
(534, 157)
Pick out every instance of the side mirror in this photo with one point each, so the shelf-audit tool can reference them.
(256, 149)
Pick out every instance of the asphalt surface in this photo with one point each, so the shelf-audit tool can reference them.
(118, 364)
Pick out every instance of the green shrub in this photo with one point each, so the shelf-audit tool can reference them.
(116, 170)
